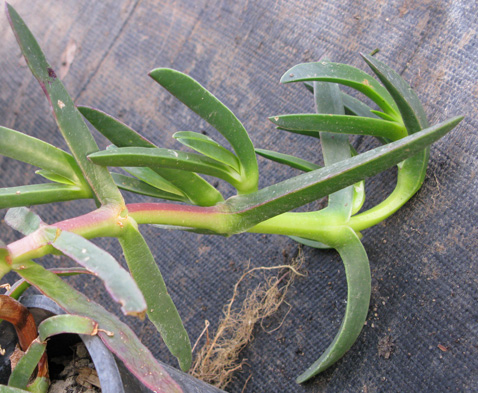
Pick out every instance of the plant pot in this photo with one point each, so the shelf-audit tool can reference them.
(113, 375)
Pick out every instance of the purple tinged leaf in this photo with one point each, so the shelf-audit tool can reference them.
(17, 289)
(117, 280)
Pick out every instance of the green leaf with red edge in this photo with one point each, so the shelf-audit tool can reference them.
(17, 289)
(161, 309)
(118, 282)
(198, 190)
(69, 120)
(121, 340)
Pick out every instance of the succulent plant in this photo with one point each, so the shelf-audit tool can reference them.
(195, 205)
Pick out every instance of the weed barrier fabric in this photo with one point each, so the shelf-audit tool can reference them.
(422, 325)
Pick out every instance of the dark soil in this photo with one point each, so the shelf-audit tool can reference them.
(73, 372)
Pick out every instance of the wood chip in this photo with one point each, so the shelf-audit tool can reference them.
(86, 376)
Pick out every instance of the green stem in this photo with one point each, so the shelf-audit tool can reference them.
(411, 174)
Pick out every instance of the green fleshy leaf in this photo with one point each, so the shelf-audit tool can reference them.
(209, 147)
(310, 243)
(9, 389)
(286, 159)
(357, 271)
(412, 171)
(148, 176)
(411, 109)
(335, 148)
(311, 124)
(67, 323)
(204, 104)
(119, 284)
(26, 365)
(160, 307)
(307, 166)
(359, 197)
(382, 115)
(40, 154)
(23, 220)
(198, 190)
(37, 194)
(52, 176)
(137, 186)
(17, 289)
(159, 157)
(344, 74)
(292, 193)
(352, 105)
(39, 385)
(121, 340)
(71, 124)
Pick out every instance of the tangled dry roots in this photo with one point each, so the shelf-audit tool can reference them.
(219, 358)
